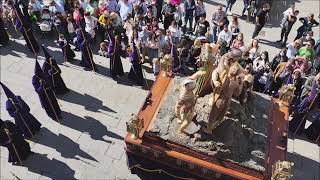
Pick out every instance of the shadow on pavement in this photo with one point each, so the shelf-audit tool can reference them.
(270, 43)
(89, 125)
(211, 2)
(303, 168)
(64, 145)
(51, 168)
(124, 80)
(89, 102)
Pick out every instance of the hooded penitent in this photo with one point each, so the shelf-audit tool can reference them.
(53, 74)
(135, 73)
(20, 111)
(47, 98)
(24, 26)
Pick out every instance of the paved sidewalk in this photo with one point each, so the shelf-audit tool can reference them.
(88, 144)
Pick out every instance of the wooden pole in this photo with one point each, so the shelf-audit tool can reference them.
(25, 31)
(88, 49)
(49, 101)
(6, 130)
(21, 117)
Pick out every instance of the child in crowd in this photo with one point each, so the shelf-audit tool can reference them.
(103, 49)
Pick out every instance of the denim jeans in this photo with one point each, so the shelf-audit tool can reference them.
(230, 4)
(190, 19)
(214, 33)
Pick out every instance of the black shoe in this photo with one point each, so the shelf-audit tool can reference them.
(279, 41)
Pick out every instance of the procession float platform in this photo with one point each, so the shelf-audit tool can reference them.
(244, 146)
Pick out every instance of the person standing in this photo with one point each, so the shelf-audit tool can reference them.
(216, 20)
(286, 28)
(189, 7)
(67, 52)
(125, 8)
(168, 11)
(308, 102)
(135, 73)
(114, 51)
(47, 97)
(20, 111)
(11, 138)
(4, 38)
(159, 4)
(200, 11)
(25, 28)
(261, 19)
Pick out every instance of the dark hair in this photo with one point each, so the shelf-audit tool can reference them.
(87, 14)
(311, 42)
(245, 53)
(267, 56)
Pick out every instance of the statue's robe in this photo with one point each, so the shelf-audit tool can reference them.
(222, 96)
(203, 81)
(53, 76)
(14, 142)
(20, 111)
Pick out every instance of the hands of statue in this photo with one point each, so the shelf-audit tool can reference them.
(216, 84)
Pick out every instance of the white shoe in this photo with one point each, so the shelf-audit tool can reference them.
(229, 13)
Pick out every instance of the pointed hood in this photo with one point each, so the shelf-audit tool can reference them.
(7, 91)
(46, 54)
(38, 71)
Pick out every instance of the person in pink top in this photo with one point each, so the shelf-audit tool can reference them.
(238, 43)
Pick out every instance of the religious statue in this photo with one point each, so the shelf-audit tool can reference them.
(184, 108)
(226, 82)
(203, 76)
(165, 64)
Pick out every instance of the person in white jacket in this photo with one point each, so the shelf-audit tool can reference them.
(226, 36)
(91, 24)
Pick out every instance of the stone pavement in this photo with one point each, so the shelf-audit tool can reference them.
(88, 144)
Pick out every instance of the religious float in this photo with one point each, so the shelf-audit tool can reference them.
(174, 129)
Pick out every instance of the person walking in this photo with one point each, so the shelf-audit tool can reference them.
(286, 28)
(261, 19)
(230, 3)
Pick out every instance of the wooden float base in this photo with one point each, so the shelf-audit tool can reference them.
(184, 160)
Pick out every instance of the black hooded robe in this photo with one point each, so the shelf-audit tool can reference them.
(14, 142)
(53, 75)
(20, 111)
(47, 98)
(4, 38)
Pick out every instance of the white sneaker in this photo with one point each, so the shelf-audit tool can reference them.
(229, 13)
